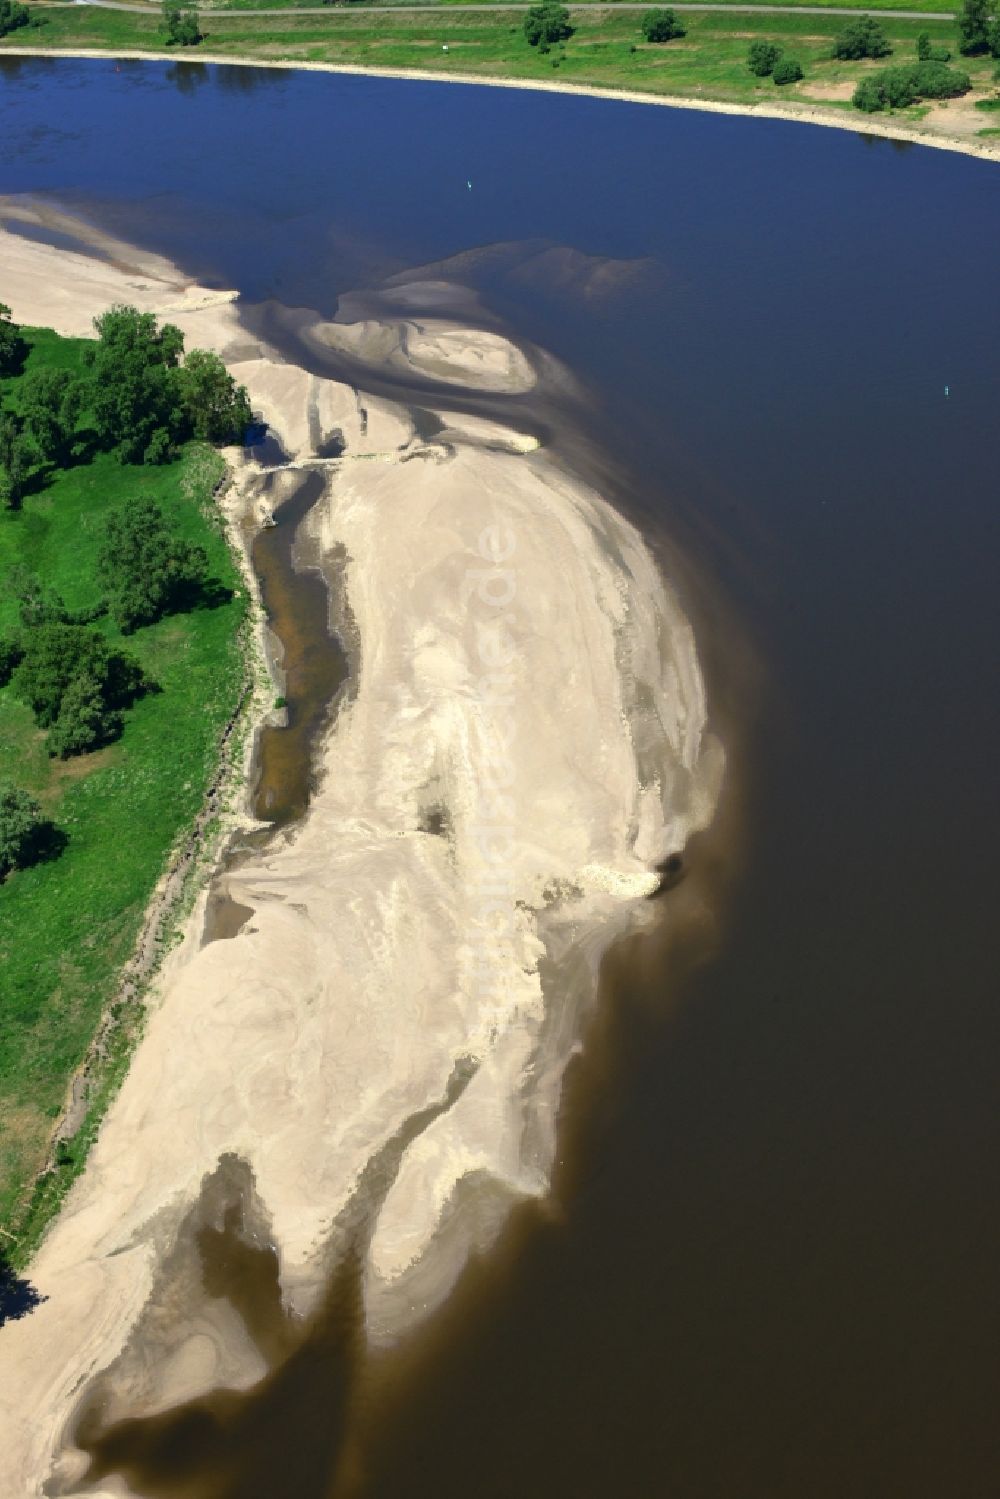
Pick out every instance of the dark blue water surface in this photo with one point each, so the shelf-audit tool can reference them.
(775, 1270)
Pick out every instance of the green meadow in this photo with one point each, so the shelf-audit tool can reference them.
(68, 925)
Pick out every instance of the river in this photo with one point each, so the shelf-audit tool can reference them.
(768, 1266)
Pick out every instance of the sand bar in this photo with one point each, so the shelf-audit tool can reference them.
(375, 1054)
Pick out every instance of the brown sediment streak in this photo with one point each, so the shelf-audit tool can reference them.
(380, 1049)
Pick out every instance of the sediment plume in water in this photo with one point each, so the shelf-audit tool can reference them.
(335, 1106)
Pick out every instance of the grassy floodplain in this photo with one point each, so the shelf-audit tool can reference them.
(67, 926)
(607, 49)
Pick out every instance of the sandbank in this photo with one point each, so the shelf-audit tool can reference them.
(375, 1053)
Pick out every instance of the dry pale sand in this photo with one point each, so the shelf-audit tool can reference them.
(932, 131)
(524, 737)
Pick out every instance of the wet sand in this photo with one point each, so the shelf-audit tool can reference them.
(375, 1056)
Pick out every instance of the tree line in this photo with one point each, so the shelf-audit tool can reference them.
(138, 399)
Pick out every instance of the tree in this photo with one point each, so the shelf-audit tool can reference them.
(12, 16)
(924, 46)
(861, 38)
(217, 409)
(85, 720)
(180, 26)
(974, 27)
(54, 655)
(51, 402)
(13, 461)
(661, 26)
(787, 70)
(547, 23)
(21, 822)
(145, 568)
(761, 58)
(134, 397)
(12, 346)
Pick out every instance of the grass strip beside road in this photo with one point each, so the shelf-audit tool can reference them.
(607, 49)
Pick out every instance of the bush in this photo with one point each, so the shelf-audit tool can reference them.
(787, 70)
(146, 570)
(12, 16)
(661, 26)
(761, 58)
(547, 23)
(21, 823)
(895, 88)
(861, 38)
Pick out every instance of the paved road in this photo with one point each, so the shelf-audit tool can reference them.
(442, 5)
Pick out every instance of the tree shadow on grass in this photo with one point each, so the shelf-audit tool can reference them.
(18, 1297)
(207, 593)
(43, 844)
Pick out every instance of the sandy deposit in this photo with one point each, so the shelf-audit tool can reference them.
(375, 1055)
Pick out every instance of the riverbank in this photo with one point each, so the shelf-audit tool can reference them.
(606, 58)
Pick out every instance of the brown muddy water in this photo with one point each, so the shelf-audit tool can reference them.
(313, 665)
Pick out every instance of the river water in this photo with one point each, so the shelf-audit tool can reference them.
(769, 1268)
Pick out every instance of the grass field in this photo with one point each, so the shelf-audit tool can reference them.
(606, 50)
(67, 926)
(925, 6)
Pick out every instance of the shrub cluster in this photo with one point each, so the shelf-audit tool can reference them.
(895, 88)
(764, 58)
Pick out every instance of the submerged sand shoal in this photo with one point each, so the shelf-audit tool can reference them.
(524, 737)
